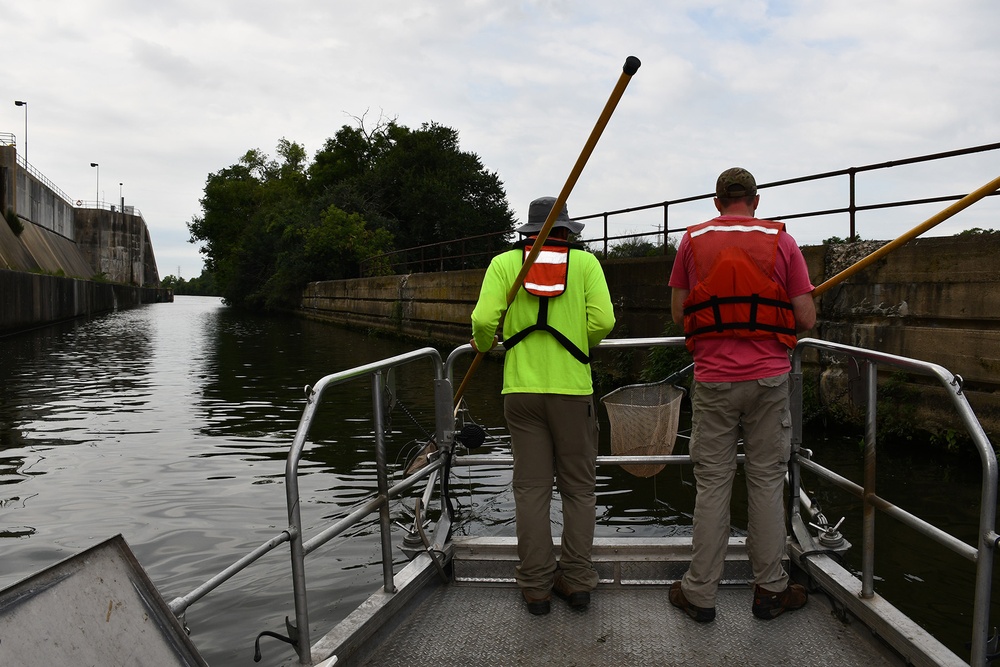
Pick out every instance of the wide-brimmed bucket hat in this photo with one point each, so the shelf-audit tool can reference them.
(539, 210)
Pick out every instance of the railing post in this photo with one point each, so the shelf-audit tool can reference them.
(303, 645)
(385, 525)
(852, 204)
(868, 507)
(666, 224)
(795, 405)
(605, 235)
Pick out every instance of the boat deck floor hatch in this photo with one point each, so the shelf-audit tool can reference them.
(97, 607)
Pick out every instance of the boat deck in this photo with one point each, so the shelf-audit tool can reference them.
(479, 618)
(475, 625)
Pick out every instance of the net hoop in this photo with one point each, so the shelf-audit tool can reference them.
(644, 420)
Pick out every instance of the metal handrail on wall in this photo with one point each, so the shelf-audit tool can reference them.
(9, 139)
(43, 179)
(432, 257)
(106, 206)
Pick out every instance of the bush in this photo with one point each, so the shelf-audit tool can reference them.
(978, 232)
(834, 240)
(665, 361)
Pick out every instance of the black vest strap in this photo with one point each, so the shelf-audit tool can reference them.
(755, 300)
(543, 325)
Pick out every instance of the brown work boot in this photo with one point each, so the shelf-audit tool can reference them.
(767, 605)
(536, 606)
(700, 614)
(577, 600)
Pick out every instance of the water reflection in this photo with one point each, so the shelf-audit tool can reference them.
(170, 424)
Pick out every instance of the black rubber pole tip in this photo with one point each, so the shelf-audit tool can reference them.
(631, 65)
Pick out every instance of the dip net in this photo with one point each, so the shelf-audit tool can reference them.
(644, 422)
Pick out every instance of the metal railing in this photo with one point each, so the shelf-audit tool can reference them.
(107, 206)
(43, 179)
(469, 252)
(432, 257)
(980, 554)
(9, 139)
(293, 534)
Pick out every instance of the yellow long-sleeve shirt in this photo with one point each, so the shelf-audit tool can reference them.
(539, 364)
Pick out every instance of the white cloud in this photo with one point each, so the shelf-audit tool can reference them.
(162, 94)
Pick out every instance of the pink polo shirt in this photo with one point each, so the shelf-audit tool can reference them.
(741, 359)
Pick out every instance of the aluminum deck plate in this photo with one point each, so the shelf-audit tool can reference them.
(467, 626)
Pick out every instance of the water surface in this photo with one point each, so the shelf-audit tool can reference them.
(170, 424)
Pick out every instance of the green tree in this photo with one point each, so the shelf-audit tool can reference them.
(269, 226)
(416, 184)
(436, 192)
(245, 208)
(203, 285)
(329, 247)
(334, 247)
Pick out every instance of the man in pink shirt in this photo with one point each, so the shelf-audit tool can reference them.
(741, 288)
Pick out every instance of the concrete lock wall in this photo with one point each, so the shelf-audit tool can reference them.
(31, 300)
(48, 271)
(117, 245)
(32, 197)
(936, 299)
(103, 242)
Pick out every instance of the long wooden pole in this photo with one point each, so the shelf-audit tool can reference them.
(940, 217)
(631, 67)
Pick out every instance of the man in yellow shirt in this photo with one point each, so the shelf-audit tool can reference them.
(562, 310)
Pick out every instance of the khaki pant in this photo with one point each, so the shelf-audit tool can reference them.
(553, 436)
(722, 412)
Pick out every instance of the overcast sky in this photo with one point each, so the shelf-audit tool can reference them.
(161, 94)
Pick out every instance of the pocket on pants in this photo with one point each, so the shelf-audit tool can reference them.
(775, 381)
(716, 386)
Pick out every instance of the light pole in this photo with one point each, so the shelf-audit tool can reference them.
(121, 197)
(24, 104)
(97, 194)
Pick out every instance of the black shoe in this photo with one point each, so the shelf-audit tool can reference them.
(700, 614)
(577, 599)
(537, 606)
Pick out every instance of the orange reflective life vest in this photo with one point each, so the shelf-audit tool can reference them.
(547, 275)
(735, 295)
(546, 279)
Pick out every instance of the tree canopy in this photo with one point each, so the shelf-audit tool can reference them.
(203, 285)
(269, 226)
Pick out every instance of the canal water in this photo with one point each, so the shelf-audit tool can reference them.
(169, 424)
